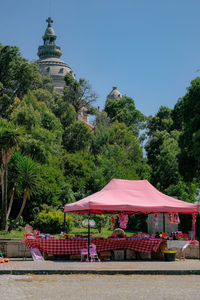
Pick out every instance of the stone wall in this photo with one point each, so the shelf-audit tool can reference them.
(14, 248)
(192, 251)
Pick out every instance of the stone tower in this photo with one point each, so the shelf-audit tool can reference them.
(49, 59)
(114, 94)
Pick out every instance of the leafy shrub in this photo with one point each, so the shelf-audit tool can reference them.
(52, 221)
(100, 221)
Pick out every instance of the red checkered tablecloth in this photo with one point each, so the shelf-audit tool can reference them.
(56, 246)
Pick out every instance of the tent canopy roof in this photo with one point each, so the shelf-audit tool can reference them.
(130, 196)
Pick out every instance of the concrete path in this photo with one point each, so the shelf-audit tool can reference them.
(99, 287)
(182, 267)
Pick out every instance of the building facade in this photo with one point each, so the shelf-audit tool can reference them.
(114, 94)
(49, 61)
(51, 65)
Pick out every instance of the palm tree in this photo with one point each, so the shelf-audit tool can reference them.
(9, 140)
(28, 180)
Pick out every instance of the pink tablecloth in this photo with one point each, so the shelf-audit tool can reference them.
(56, 246)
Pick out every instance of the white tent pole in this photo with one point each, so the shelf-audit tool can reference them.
(89, 235)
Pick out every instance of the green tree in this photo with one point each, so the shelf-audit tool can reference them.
(50, 220)
(46, 84)
(78, 93)
(9, 139)
(162, 153)
(51, 190)
(100, 138)
(62, 109)
(28, 180)
(78, 171)
(186, 191)
(123, 110)
(77, 137)
(100, 220)
(113, 162)
(43, 130)
(120, 134)
(42, 141)
(161, 121)
(17, 76)
(101, 119)
(118, 155)
(177, 116)
(189, 108)
(123, 136)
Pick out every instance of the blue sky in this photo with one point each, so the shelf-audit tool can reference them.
(149, 49)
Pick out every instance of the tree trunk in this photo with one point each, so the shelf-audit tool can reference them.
(6, 156)
(2, 197)
(4, 190)
(10, 207)
(21, 209)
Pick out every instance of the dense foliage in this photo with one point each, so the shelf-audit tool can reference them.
(49, 157)
(51, 221)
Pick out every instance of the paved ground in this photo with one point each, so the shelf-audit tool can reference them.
(99, 287)
(27, 285)
(57, 265)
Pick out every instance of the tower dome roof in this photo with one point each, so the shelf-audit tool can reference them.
(114, 94)
(49, 31)
(49, 59)
(49, 48)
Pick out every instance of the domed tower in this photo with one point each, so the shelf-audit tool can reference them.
(114, 94)
(49, 59)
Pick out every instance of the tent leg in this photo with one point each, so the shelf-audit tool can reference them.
(163, 222)
(198, 222)
(64, 224)
(89, 235)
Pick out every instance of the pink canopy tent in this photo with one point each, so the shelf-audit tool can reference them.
(130, 196)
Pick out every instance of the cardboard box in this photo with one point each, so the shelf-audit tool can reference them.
(105, 255)
(130, 254)
(118, 254)
(47, 256)
(75, 257)
(145, 256)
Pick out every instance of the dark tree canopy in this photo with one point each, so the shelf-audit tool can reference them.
(17, 76)
(67, 160)
(161, 121)
(124, 111)
(77, 137)
(78, 93)
(189, 108)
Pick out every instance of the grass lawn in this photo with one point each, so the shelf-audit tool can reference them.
(14, 234)
(19, 234)
(104, 232)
